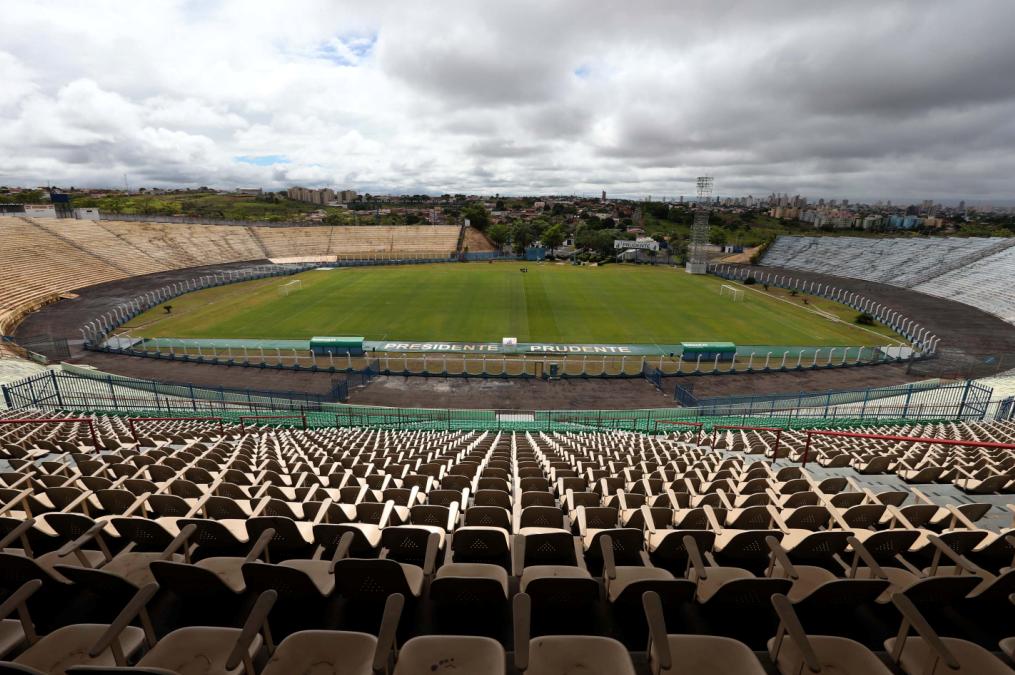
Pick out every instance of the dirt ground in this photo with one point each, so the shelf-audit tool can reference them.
(963, 330)
(476, 241)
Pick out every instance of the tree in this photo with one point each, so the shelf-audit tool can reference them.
(333, 217)
(499, 234)
(553, 237)
(600, 241)
(412, 219)
(717, 237)
(478, 216)
(521, 236)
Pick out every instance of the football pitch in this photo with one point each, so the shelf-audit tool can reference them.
(485, 302)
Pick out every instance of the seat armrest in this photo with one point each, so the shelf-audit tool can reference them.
(22, 496)
(779, 554)
(256, 620)
(694, 557)
(389, 627)
(17, 600)
(959, 560)
(72, 546)
(179, 540)
(522, 619)
(656, 621)
(517, 555)
(19, 530)
(341, 551)
(322, 512)
(433, 545)
(789, 623)
(861, 553)
(911, 616)
(77, 501)
(609, 563)
(138, 503)
(123, 619)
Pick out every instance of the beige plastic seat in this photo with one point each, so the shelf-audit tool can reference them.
(693, 654)
(92, 645)
(929, 652)
(325, 652)
(555, 654)
(1007, 646)
(482, 574)
(203, 649)
(451, 654)
(817, 653)
(12, 636)
(534, 572)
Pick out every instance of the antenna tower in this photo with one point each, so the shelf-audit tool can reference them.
(697, 253)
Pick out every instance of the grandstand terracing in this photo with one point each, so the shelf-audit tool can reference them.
(45, 258)
(975, 271)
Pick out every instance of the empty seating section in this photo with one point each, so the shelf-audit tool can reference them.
(986, 283)
(976, 271)
(290, 243)
(38, 265)
(283, 550)
(43, 258)
(900, 262)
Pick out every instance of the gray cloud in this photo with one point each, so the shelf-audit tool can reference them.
(868, 99)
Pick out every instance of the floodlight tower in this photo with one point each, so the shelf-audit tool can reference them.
(697, 255)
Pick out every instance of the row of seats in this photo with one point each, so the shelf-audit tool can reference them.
(984, 283)
(972, 469)
(572, 550)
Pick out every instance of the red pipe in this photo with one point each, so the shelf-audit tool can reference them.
(85, 420)
(911, 439)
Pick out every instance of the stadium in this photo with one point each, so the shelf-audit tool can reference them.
(279, 449)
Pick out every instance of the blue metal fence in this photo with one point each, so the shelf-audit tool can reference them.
(53, 389)
(1006, 410)
(920, 400)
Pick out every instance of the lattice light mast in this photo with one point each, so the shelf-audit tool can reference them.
(697, 254)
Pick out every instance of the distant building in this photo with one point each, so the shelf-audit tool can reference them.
(301, 194)
(604, 196)
(897, 222)
(249, 191)
(872, 221)
(35, 211)
(87, 214)
(322, 196)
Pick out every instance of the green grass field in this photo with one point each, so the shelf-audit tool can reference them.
(484, 302)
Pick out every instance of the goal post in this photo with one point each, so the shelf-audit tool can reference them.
(735, 294)
(290, 287)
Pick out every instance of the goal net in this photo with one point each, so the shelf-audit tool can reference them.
(290, 287)
(735, 294)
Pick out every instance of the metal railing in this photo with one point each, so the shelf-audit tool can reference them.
(62, 420)
(910, 439)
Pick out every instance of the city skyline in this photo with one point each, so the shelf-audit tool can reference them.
(895, 101)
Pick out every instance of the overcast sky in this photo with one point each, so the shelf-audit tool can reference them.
(865, 100)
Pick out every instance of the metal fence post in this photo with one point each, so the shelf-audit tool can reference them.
(56, 388)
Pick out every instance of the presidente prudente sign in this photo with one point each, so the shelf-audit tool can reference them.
(520, 348)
